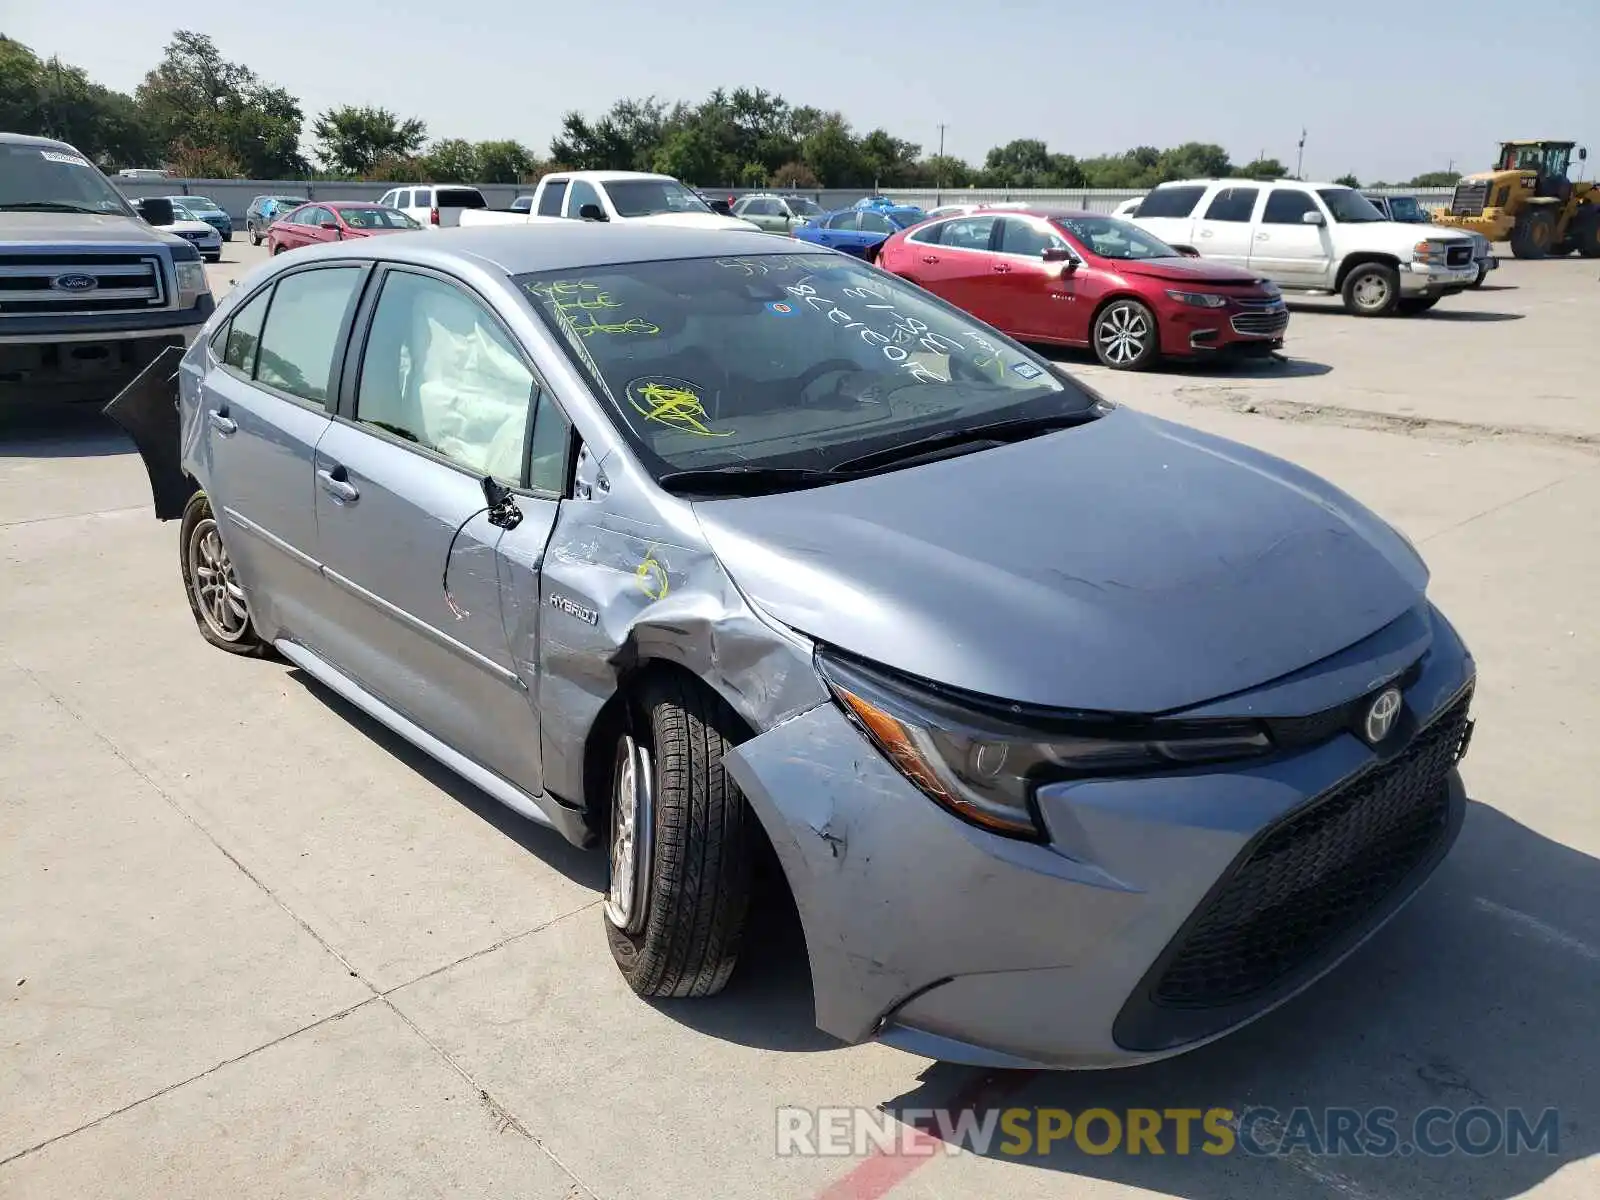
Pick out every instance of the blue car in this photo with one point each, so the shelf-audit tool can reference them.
(858, 231)
(203, 209)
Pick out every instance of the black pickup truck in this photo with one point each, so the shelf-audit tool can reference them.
(90, 291)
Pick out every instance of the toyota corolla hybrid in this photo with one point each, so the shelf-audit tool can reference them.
(1080, 737)
(1084, 279)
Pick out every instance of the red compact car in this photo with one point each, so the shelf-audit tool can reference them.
(1086, 279)
(333, 221)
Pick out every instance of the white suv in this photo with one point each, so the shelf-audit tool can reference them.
(436, 205)
(1312, 237)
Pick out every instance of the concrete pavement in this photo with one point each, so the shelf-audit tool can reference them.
(254, 946)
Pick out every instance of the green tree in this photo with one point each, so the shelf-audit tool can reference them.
(1348, 180)
(831, 153)
(1436, 179)
(692, 154)
(1264, 168)
(945, 171)
(888, 160)
(504, 162)
(452, 160)
(54, 99)
(355, 140)
(794, 175)
(1028, 163)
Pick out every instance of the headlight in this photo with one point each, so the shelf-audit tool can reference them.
(1198, 299)
(1428, 252)
(192, 282)
(983, 765)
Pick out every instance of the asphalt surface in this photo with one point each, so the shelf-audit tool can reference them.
(254, 946)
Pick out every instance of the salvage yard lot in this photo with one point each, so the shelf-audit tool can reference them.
(253, 945)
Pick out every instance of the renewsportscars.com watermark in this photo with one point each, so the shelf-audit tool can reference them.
(1255, 1131)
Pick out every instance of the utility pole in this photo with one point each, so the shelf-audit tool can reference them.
(1300, 154)
(938, 182)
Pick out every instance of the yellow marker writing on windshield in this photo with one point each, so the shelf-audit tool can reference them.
(677, 407)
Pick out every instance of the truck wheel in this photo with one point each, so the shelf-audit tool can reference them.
(1371, 290)
(1483, 273)
(1125, 336)
(680, 877)
(1586, 231)
(215, 597)
(1533, 234)
(1412, 305)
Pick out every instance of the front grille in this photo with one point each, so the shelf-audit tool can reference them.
(1268, 324)
(1470, 199)
(1317, 875)
(122, 282)
(1458, 256)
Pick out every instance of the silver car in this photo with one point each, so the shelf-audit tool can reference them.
(1080, 737)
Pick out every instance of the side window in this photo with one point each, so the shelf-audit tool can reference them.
(555, 191)
(547, 454)
(582, 193)
(302, 330)
(928, 234)
(439, 371)
(387, 199)
(1024, 237)
(844, 220)
(422, 198)
(1285, 206)
(872, 222)
(1170, 201)
(244, 334)
(968, 233)
(1230, 204)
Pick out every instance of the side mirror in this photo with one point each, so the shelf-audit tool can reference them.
(723, 207)
(333, 225)
(1311, 218)
(591, 212)
(1187, 251)
(153, 210)
(1583, 153)
(1056, 254)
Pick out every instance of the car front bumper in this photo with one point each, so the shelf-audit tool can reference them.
(945, 940)
(1421, 279)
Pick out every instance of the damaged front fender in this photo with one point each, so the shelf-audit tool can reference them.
(147, 410)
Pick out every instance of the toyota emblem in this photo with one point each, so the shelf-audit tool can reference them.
(75, 281)
(1381, 715)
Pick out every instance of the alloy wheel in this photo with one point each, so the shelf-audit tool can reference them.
(1372, 291)
(1123, 333)
(218, 597)
(632, 821)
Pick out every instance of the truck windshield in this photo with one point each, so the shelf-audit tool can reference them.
(47, 179)
(646, 197)
(1406, 210)
(785, 361)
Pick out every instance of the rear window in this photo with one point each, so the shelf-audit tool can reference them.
(550, 199)
(1170, 202)
(1230, 204)
(783, 360)
(460, 198)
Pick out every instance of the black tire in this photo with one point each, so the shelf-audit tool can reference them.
(223, 619)
(1125, 336)
(255, 238)
(1483, 273)
(1586, 231)
(279, 248)
(1534, 233)
(1410, 306)
(1371, 289)
(682, 933)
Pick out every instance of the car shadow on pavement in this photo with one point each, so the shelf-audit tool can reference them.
(584, 867)
(60, 431)
(1478, 996)
(1466, 314)
(1225, 367)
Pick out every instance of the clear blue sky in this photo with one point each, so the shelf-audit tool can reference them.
(1386, 90)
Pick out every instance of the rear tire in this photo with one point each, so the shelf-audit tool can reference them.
(1410, 306)
(1371, 289)
(1534, 234)
(1125, 336)
(255, 238)
(681, 845)
(215, 598)
(1586, 231)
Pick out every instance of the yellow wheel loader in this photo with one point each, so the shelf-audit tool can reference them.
(1528, 200)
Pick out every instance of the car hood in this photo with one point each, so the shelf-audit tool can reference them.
(1130, 565)
(1187, 270)
(695, 221)
(181, 227)
(1399, 236)
(21, 230)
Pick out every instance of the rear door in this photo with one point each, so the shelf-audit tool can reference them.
(264, 406)
(438, 396)
(1287, 250)
(1224, 229)
(964, 271)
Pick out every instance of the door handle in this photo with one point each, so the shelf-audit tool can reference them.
(1205, 233)
(930, 258)
(1002, 268)
(341, 490)
(1261, 237)
(222, 423)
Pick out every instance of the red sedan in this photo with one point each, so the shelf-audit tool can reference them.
(333, 221)
(1085, 279)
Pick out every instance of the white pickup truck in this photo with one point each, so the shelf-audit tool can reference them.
(630, 196)
(1312, 237)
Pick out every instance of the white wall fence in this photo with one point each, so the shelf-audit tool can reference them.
(234, 195)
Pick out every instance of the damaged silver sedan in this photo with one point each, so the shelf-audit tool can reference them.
(1080, 737)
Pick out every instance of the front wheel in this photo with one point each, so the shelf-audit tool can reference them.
(1371, 290)
(1534, 234)
(215, 597)
(1125, 336)
(255, 238)
(1483, 273)
(680, 839)
(1412, 305)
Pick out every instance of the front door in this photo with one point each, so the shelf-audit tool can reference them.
(1285, 248)
(1223, 230)
(263, 409)
(1031, 299)
(441, 399)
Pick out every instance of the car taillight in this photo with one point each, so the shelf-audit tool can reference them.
(433, 216)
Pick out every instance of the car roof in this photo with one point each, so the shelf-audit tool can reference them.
(557, 246)
(602, 176)
(23, 139)
(351, 204)
(1242, 179)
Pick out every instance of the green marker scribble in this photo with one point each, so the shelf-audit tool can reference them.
(631, 325)
(678, 408)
